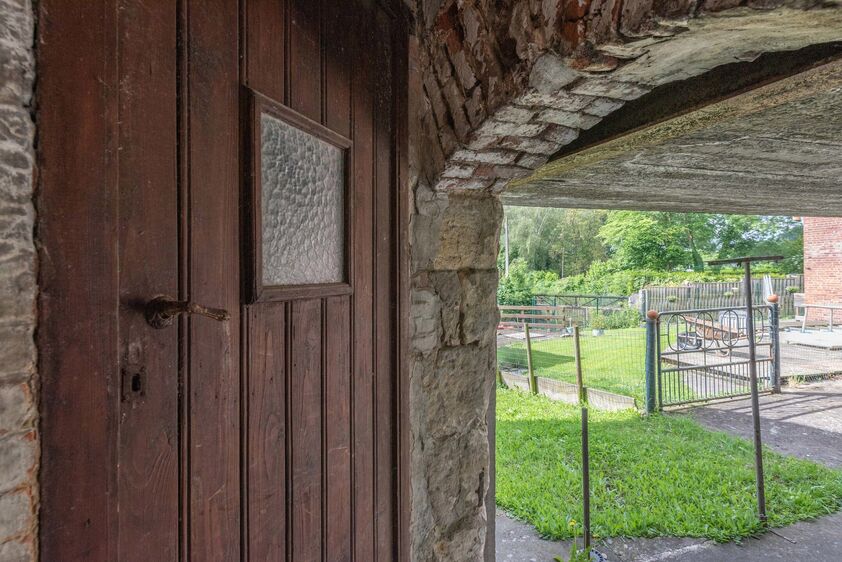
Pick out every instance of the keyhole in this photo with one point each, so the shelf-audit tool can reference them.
(136, 382)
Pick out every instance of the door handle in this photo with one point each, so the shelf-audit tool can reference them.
(161, 311)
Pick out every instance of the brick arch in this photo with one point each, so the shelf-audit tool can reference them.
(498, 88)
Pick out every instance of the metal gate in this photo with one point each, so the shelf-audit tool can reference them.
(702, 354)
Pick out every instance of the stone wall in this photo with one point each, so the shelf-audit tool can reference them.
(823, 263)
(18, 385)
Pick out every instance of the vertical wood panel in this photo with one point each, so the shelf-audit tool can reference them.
(384, 196)
(147, 468)
(363, 119)
(337, 25)
(402, 288)
(265, 42)
(77, 333)
(266, 432)
(337, 408)
(305, 58)
(213, 447)
(305, 403)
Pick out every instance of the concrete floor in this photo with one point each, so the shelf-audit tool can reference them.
(805, 421)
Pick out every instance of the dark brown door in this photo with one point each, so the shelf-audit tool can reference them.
(177, 132)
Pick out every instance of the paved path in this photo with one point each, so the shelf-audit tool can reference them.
(804, 421)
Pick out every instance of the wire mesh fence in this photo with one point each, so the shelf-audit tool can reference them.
(613, 362)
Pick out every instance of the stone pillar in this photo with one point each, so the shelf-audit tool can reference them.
(18, 411)
(454, 242)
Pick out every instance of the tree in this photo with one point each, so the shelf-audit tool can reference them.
(560, 240)
(657, 240)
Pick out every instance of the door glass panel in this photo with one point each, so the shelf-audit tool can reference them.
(303, 206)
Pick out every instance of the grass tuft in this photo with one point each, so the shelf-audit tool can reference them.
(656, 476)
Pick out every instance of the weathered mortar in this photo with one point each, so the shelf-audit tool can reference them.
(19, 449)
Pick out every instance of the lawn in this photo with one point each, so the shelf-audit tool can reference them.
(657, 476)
(614, 361)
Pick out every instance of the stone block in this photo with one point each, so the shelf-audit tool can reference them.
(514, 114)
(17, 408)
(18, 551)
(18, 458)
(574, 120)
(494, 128)
(485, 156)
(17, 354)
(16, 515)
(550, 74)
(468, 233)
(607, 88)
(560, 134)
(603, 106)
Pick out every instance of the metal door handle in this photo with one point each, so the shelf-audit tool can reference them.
(161, 311)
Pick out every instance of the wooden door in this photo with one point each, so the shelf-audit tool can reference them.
(321, 390)
(274, 433)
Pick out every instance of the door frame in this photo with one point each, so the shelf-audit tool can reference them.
(77, 222)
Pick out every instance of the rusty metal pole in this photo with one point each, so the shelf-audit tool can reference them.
(755, 400)
(577, 356)
(752, 371)
(586, 482)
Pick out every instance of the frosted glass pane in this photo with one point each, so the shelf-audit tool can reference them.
(303, 198)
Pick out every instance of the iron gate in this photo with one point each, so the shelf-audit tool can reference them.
(702, 354)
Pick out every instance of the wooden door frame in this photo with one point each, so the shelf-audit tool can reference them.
(77, 160)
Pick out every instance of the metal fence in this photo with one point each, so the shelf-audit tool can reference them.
(703, 354)
(612, 364)
(596, 302)
(721, 294)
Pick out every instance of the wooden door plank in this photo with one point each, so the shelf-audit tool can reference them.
(384, 197)
(337, 25)
(363, 304)
(77, 167)
(337, 408)
(305, 410)
(147, 467)
(265, 44)
(305, 58)
(212, 446)
(265, 455)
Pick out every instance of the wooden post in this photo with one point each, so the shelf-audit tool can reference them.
(577, 352)
(533, 384)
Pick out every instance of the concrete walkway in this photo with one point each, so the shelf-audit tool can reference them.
(804, 421)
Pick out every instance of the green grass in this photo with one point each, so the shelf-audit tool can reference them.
(657, 476)
(614, 361)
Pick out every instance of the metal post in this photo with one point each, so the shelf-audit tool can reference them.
(577, 354)
(755, 401)
(533, 384)
(775, 328)
(506, 239)
(752, 371)
(651, 359)
(586, 481)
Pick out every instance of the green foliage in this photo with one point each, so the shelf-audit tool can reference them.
(663, 241)
(579, 245)
(598, 321)
(655, 476)
(522, 283)
(560, 240)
